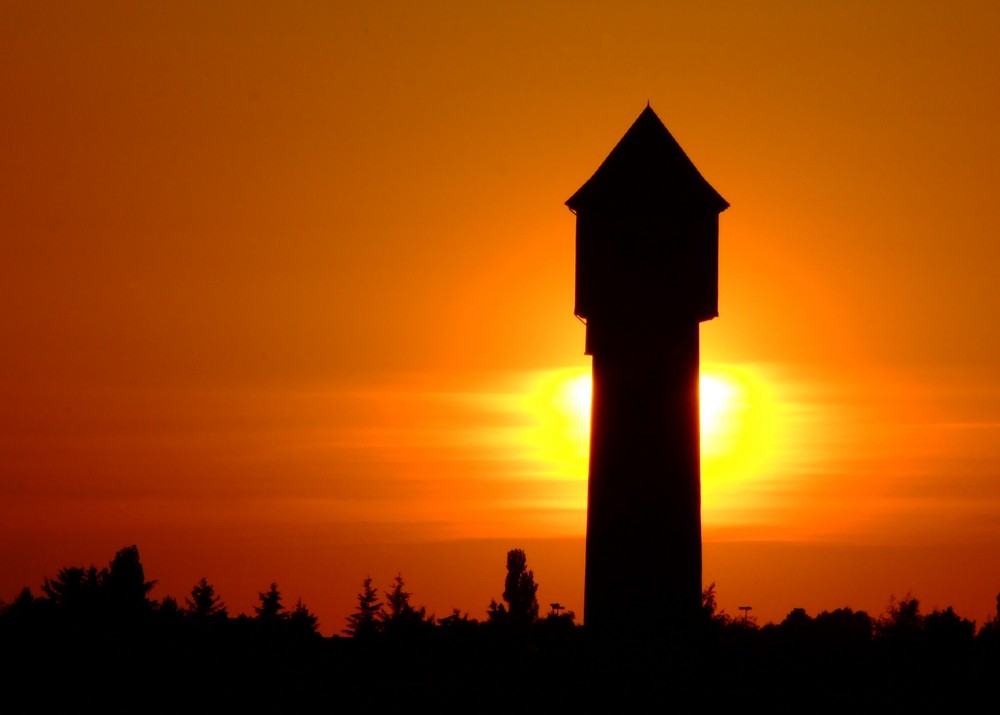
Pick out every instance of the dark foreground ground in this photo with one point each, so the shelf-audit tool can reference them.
(491, 673)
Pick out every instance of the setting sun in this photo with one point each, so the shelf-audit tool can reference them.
(560, 404)
(739, 430)
(738, 412)
(719, 399)
(572, 398)
(741, 422)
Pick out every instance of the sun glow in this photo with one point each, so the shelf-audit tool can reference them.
(560, 401)
(732, 405)
(573, 398)
(738, 420)
(726, 397)
(739, 445)
(719, 399)
(738, 410)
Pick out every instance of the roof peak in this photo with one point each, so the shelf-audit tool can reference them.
(647, 165)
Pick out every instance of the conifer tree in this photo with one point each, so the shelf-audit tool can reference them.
(270, 609)
(204, 603)
(366, 619)
(399, 615)
(302, 621)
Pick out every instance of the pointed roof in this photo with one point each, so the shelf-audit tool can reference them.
(647, 166)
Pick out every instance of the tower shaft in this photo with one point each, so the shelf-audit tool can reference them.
(644, 493)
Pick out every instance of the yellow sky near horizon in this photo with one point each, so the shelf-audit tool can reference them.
(273, 271)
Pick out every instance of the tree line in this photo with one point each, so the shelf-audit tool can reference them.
(119, 593)
(100, 625)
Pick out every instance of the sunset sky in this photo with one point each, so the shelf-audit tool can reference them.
(286, 293)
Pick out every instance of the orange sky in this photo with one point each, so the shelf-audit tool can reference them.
(286, 292)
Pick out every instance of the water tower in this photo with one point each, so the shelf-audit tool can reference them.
(647, 248)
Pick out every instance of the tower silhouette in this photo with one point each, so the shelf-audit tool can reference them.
(647, 246)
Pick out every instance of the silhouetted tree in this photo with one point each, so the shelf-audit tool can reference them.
(126, 585)
(899, 636)
(845, 626)
(798, 627)
(797, 618)
(204, 603)
(270, 610)
(713, 620)
(457, 620)
(989, 634)
(946, 631)
(840, 635)
(458, 629)
(75, 590)
(558, 621)
(397, 601)
(708, 599)
(901, 621)
(24, 600)
(167, 606)
(496, 612)
(22, 609)
(519, 594)
(399, 617)
(302, 622)
(367, 616)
